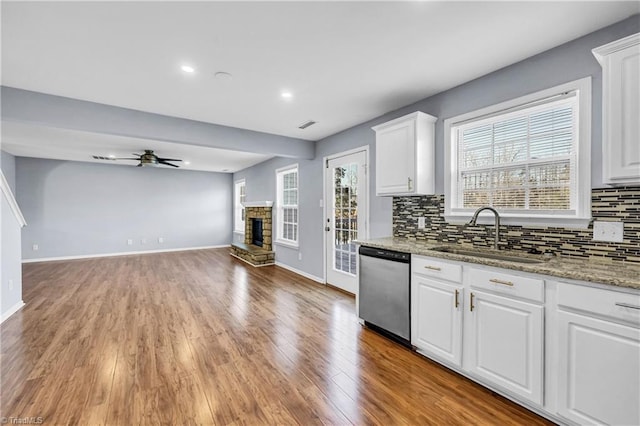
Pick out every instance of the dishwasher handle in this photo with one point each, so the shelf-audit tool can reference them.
(394, 256)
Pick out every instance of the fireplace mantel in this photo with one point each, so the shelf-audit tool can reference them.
(258, 204)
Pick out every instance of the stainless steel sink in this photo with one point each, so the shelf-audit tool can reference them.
(507, 257)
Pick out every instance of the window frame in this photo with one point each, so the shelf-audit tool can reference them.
(238, 202)
(279, 222)
(581, 166)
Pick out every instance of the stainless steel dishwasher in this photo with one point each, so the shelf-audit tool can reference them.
(385, 291)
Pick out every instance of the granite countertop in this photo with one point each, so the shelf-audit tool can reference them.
(621, 274)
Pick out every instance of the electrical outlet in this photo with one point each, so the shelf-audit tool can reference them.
(299, 256)
(421, 223)
(608, 231)
(321, 203)
(35, 247)
(10, 285)
(161, 240)
(129, 242)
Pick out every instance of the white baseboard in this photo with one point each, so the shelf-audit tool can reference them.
(299, 272)
(125, 253)
(12, 310)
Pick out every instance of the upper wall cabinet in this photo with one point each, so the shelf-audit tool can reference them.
(405, 155)
(620, 62)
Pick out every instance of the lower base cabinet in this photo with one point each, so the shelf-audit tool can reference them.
(437, 318)
(504, 343)
(499, 327)
(599, 380)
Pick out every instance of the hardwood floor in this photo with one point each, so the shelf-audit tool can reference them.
(201, 338)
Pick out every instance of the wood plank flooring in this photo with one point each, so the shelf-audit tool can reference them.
(201, 338)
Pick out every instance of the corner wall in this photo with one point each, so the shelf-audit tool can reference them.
(83, 209)
(10, 263)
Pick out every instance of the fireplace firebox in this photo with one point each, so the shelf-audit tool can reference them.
(257, 238)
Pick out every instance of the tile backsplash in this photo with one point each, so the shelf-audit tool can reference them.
(609, 204)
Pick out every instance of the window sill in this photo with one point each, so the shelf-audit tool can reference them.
(286, 244)
(238, 232)
(526, 221)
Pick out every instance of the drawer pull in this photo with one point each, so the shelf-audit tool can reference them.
(457, 302)
(626, 305)
(433, 268)
(497, 281)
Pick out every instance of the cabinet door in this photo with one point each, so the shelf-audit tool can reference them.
(436, 318)
(395, 159)
(599, 380)
(504, 343)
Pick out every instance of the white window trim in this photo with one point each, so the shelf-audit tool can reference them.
(582, 217)
(277, 212)
(235, 200)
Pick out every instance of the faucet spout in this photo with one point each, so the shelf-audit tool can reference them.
(474, 219)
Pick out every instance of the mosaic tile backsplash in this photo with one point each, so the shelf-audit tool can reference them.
(609, 204)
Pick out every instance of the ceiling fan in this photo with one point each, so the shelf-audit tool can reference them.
(148, 159)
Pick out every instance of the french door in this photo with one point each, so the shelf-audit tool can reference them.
(345, 217)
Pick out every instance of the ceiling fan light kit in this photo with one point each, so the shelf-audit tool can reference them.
(148, 159)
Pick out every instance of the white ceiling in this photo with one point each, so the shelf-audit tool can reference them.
(344, 62)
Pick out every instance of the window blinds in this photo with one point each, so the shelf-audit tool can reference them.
(520, 160)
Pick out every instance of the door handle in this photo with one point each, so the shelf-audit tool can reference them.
(326, 228)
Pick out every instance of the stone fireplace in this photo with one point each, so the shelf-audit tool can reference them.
(257, 246)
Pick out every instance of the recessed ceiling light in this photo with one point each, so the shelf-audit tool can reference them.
(286, 95)
(188, 69)
(186, 163)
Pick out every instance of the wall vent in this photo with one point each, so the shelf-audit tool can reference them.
(306, 124)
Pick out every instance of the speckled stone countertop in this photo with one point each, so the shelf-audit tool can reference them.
(621, 274)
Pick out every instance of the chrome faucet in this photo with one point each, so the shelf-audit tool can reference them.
(497, 223)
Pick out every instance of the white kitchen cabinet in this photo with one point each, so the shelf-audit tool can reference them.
(436, 309)
(405, 155)
(620, 62)
(598, 355)
(504, 343)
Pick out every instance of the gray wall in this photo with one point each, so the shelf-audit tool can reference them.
(10, 262)
(78, 209)
(564, 63)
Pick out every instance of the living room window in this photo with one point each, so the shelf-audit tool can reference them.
(287, 205)
(529, 158)
(239, 197)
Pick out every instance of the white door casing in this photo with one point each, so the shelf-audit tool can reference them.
(346, 216)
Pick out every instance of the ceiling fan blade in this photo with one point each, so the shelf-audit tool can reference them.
(100, 157)
(125, 158)
(167, 164)
(168, 159)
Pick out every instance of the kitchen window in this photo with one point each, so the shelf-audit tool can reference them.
(239, 197)
(287, 205)
(529, 158)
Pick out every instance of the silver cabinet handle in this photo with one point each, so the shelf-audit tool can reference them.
(433, 268)
(626, 305)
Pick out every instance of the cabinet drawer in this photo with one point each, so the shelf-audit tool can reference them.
(606, 303)
(431, 267)
(509, 284)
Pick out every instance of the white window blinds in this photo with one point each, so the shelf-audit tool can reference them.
(523, 159)
(288, 205)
